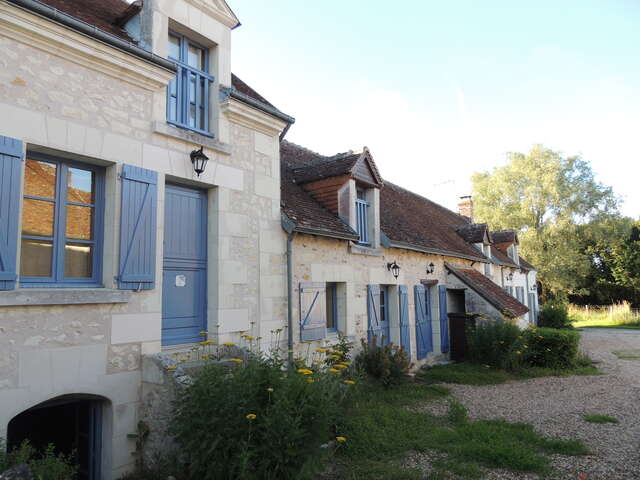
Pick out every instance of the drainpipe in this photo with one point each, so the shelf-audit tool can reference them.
(290, 299)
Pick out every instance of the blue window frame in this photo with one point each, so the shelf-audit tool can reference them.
(62, 223)
(188, 93)
(331, 295)
(362, 223)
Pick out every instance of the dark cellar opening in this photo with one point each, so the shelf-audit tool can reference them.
(72, 423)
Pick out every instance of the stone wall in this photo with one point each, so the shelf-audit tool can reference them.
(320, 259)
(64, 94)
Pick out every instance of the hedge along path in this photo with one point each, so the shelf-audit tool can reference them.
(555, 406)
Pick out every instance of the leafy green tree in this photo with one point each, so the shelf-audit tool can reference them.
(548, 198)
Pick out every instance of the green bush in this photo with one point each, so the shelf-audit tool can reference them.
(257, 421)
(387, 364)
(44, 465)
(547, 348)
(489, 342)
(554, 315)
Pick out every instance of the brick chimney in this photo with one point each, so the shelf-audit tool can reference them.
(465, 207)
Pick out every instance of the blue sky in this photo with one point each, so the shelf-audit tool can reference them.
(438, 90)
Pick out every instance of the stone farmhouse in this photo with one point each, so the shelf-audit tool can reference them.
(148, 195)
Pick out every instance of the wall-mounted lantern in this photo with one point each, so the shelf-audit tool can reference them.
(394, 268)
(510, 276)
(431, 268)
(199, 161)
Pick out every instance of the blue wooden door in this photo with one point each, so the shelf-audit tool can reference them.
(385, 331)
(403, 303)
(184, 277)
(424, 335)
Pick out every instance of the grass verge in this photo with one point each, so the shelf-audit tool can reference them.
(474, 374)
(627, 354)
(599, 418)
(381, 433)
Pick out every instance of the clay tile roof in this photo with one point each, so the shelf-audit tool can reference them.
(326, 167)
(473, 232)
(492, 293)
(526, 265)
(501, 258)
(316, 166)
(103, 14)
(411, 219)
(245, 89)
(504, 236)
(298, 205)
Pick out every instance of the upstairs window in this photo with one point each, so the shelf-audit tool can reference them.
(188, 93)
(362, 217)
(61, 223)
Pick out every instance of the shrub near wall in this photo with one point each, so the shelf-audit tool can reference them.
(257, 421)
(491, 342)
(554, 315)
(547, 348)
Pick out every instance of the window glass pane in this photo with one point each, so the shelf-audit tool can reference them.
(35, 258)
(80, 185)
(79, 222)
(174, 47)
(37, 218)
(195, 57)
(330, 294)
(40, 179)
(78, 260)
(202, 110)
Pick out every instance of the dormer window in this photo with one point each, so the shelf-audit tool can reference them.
(188, 93)
(362, 216)
(487, 266)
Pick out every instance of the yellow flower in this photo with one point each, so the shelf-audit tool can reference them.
(249, 337)
(349, 382)
(229, 344)
(206, 342)
(525, 346)
(346, 363)
(237, 360)
(321, 350)
(519, 352)
(205, 355)
(204, 332)
(269, 389)
(340, 366)
(171, 367)
(251, 416)
(183, 359)
(334, 357)
(540, 337)
(309, 380)
(334, 370)
(341, 439)
(305, 371)
(318, 361)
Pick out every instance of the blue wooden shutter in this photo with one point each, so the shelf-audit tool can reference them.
(405, 339)
(313, 319)
(373, 313)
(444, 319)
(10, 169)
(138, 229)
(424, 335)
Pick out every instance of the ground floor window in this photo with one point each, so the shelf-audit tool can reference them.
(73, 424)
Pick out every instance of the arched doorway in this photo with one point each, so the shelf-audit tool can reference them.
(73, 423)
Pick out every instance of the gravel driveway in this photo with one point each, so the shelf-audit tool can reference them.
(555, 407)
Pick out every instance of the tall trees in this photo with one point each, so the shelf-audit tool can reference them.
(549, 199)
